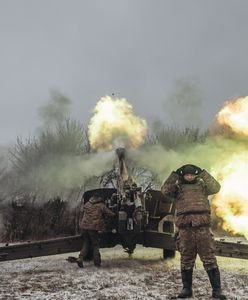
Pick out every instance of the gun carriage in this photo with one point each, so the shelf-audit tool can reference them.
(142, 217)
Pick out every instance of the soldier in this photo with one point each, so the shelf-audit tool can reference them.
(92, 218)
(190, 187)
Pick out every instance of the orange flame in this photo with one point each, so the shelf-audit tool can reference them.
(235, 115)
(231, 203)
(115, 125)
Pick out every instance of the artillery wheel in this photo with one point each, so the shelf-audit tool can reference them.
(168, 253)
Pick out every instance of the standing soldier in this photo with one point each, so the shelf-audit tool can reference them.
(190, 187)
(93, 215)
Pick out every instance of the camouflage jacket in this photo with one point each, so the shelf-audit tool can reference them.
(191, 199)
(93, 215)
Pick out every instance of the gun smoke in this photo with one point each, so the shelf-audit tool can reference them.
(162, 161)
(60, 174)
(114, 125)
(62, 167)
(225, 157)
(56, 110)
(184, 105)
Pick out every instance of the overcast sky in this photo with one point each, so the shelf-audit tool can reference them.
(134, 48)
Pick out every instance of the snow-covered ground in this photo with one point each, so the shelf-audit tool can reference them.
(144, 276)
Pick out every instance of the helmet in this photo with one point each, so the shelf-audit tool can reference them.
(189, 169)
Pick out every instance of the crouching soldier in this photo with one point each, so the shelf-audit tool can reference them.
(92, 220)
(190, 187)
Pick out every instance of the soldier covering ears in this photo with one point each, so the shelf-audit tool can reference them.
(190, 187)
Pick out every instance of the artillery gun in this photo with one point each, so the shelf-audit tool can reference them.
(142, 217)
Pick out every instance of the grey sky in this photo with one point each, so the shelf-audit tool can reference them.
(135, 48)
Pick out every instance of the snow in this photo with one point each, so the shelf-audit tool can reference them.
(144, 276)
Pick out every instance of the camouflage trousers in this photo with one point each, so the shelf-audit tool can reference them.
(91, 242)
(196, 240)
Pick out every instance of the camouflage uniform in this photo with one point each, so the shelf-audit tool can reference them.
(92, 218)
(193, 217)
(193, 222)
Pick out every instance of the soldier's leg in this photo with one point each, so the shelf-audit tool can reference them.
(206, 251)
(95, 241)
(85, 248)
(206, 247)
(187, 249)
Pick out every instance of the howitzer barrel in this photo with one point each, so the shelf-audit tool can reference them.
(121, 152)
(122, 170)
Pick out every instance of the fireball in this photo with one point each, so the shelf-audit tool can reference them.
(235, 115)
(114, 124)
(231, 203)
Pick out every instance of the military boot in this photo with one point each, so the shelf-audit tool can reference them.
(214, 277)
(80, 262)
(187, 284)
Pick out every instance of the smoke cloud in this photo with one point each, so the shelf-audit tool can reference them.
(184, 105)
(58, 175)
(213, 152)
(224, 158)
(56, 110)
(114, 124)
